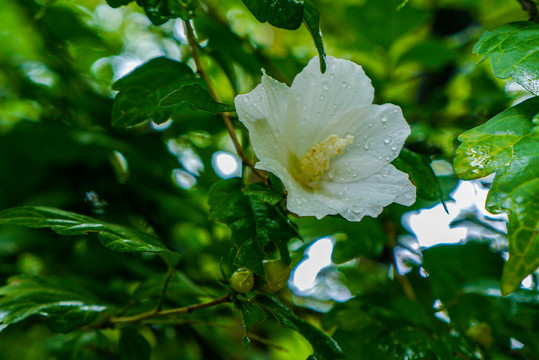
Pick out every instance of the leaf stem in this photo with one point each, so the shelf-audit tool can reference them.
(176, 311)
(193, 44)
(402, 279)
(170, 272)
(531, 7)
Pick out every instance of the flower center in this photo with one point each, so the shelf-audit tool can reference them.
(316, 161)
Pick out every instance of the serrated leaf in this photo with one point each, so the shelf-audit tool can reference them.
(160, 11)
(514, 51)
(140, 92)
(507, 144)
(114, 237)
(197, 96)
(66, 305)
(324, 347)
(133, 346)
(421, 174)
(311, 18)
(285, 14)
(253, 223)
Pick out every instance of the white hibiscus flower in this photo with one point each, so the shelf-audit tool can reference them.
(326, 141)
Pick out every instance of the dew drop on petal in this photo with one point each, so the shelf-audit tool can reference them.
(318, 114)
(366, 146)
(325, 85)
(322, 97)
(384, 119)
(331, 174)
(369, 125)
(394, 148)
(387, 141)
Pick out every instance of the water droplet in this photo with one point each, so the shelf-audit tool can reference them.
(365, 137)
(325, 85)
(331, 174)
(318, 114)
(344, 84)
(388, 158)
(385, 173)
(322, 97)
(394, 148)
(335, 105)
(369, 125)
(366, 146)
(332, 76)
(384, 119)
(387, 141)
(379, 157)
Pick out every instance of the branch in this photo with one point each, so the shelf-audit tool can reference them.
(531, 7)
(193, 44)
(158, 313)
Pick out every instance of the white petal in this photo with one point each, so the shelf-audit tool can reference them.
(263, 112)
(379, 133)
(319, 98)
(368, 196)
(299, 200)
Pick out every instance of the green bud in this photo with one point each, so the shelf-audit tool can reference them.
(242, 280)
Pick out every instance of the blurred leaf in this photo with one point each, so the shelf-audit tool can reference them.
(433, 54)
(253, 223)
(114, 237)
(160, 11)
(311, 17)
(513, 51)
(250, 313)
(133, 346)
(453, 267)
(285, 14)
(507, 144)
(421, 174)
(140, 92)
(197, 96)
(65, 305)
(179, 286)
(364, 238)
(324, 347)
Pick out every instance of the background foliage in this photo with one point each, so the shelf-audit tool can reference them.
(146, 235)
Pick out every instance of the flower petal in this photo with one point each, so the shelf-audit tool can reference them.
(368, 196)
(318, 98)
(379, 133)
(299, 200)
(263, 112)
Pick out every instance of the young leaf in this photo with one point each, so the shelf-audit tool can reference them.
(285, 14)
(421, 174)
(140, 92)
(133, 346)
(513, 51)
(311, 18)
(324, 347)
(250, 313)
(65, 305)
(114, 237)
(197, 96)
(507, 144)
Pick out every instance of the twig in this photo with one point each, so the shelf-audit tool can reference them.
(193, 44)
(158, 313)
(402, 279)
(170, 272)
(531, 7)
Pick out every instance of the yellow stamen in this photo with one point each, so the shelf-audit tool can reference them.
(316, 161)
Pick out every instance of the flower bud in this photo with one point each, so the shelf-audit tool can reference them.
(242, 280)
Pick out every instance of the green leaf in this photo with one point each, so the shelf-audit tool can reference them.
(250, 313)
(311, 18)
(285, 14)
(421, 174)
(324, 347)
(66, 305)
(507, 144)
(453, 267)
(197, 96)
(140, 92)
(114, 237)
(160, 11)
(133, 346)
(253, 222)
(262, 193)
(514, 51)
